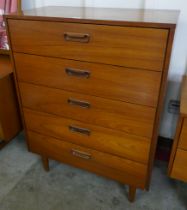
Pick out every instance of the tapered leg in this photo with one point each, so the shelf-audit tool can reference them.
(147, 187)
(45, 162)
(132, 193)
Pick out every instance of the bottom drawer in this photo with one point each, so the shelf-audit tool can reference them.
(179, 170)
(125, 171)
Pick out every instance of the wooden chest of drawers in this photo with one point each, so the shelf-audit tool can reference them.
(91, 88)
(178, 160)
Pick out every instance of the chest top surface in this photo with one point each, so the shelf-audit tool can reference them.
(111, 16)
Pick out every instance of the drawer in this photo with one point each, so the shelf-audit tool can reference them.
(130, 118)
(179, 170)
(99, 138)
(130, 85)
(123, 46)
(123, 170)
(183, 136)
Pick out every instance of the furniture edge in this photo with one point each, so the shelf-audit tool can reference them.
(93, 21)
(160, 106)
(175, 145)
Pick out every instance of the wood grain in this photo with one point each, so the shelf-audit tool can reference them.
(9, 113)
(175, 144)
(183, 108)
(179, 170)
(128, 58)
(123, 170)
(183, 136)
(130, 85)
(5, 66)
(101, 139)
(160, 105)
(177, 164)
(117, 115)
(124, 46)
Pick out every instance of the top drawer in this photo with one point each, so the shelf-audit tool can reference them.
(124, 46)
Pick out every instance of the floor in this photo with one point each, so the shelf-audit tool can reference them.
(24, 185)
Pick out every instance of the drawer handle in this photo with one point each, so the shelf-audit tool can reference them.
(77, 37)
(81, 154)
(82, 104)
(77, 73)
(83, 131)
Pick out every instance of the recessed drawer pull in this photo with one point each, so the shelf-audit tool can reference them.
(77, 72)
(77, 37)
(81, 154)
(82, 104)
(79, 130)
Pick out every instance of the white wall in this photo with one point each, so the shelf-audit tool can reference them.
(178, 65)
(87, 3)
(179, 56)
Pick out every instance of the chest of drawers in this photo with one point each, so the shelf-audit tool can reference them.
(178, 160)
(91, 84)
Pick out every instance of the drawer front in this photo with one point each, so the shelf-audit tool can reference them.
(179, 170)
(102, 139)
(102, 163)
(124, 46)
(130, 85)
(130, 118)
(183, 136)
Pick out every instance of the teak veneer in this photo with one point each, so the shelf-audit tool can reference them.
(9, 113)
(178, 159)
(91, 85)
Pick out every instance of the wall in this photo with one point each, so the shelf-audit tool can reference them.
(179, 55)
(87, 3)
(178, 65)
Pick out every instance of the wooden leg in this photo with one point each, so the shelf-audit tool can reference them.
(147, 188)
(45, 162)
(132, 193)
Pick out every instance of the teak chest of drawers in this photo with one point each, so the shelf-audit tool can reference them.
(91, 84)
(178, 160)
